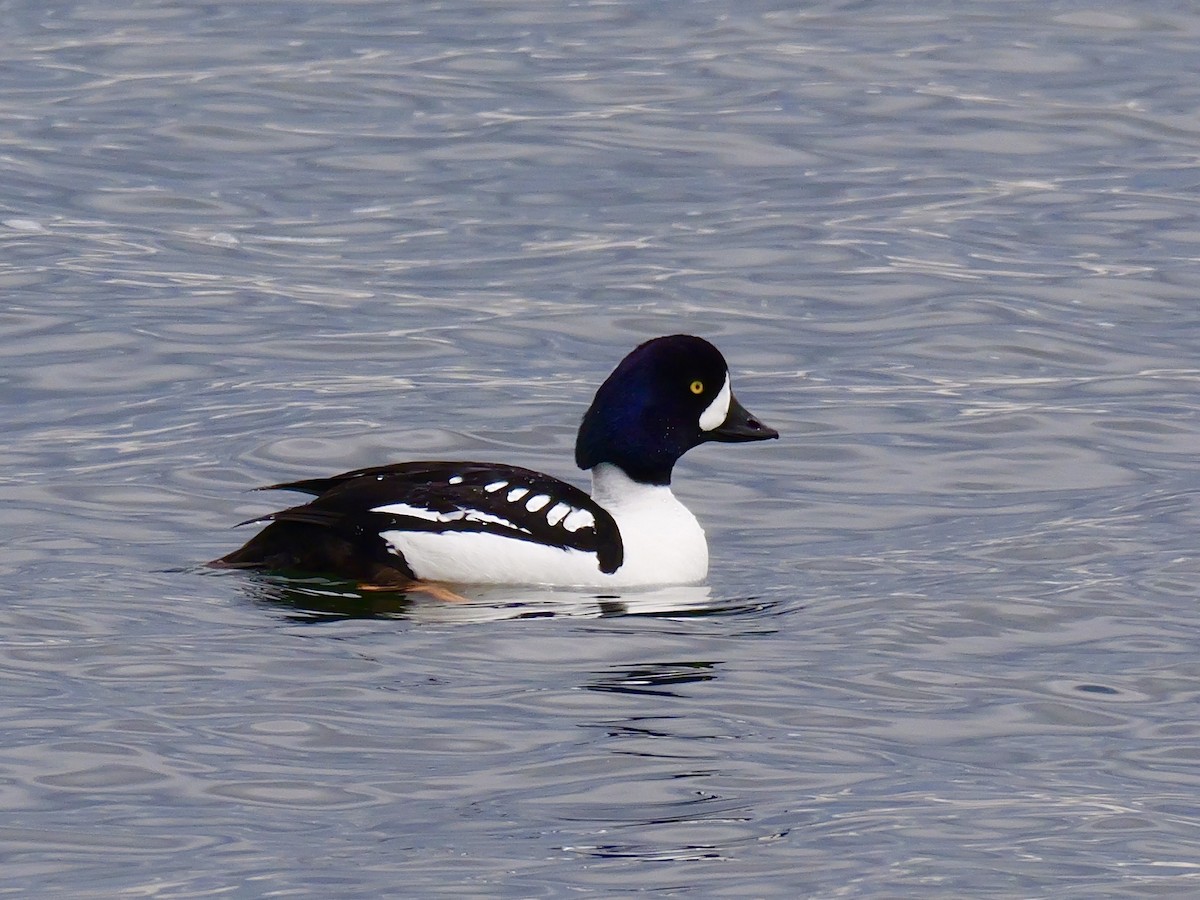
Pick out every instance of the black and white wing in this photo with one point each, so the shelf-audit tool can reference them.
(450, 497)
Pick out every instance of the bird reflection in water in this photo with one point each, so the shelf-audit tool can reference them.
(320, 600)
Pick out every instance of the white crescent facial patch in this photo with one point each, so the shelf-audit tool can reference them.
(718, 410)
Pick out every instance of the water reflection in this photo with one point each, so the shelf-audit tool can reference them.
(321, 600)
(654, 678)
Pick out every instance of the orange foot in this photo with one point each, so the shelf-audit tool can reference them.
(432, 588)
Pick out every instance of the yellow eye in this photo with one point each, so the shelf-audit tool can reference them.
(697, 386)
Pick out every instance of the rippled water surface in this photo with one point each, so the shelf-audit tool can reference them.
(949, 646)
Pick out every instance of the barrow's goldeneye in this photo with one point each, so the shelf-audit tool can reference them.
(488, 523)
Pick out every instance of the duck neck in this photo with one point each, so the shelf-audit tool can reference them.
(611, 487)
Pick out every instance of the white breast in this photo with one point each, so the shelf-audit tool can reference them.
(664, 544)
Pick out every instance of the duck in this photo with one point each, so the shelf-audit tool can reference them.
(402, 525)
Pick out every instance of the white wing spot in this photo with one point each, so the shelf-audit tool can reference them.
(419, 512)
(457, 479)
(516, 494)
(478, 515)
(429, 515)
(580, 518)
(495, 486)
(557, 512)
(536, 502)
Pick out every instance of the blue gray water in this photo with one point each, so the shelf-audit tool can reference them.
(949, 646)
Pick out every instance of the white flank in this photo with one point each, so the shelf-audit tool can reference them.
(472, 557)
(718, 410)
(664, 544)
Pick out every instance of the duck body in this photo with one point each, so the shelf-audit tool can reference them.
(486, 523)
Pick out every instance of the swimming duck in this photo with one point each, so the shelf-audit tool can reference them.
(400, 525)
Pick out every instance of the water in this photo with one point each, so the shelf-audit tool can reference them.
(949, 643)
